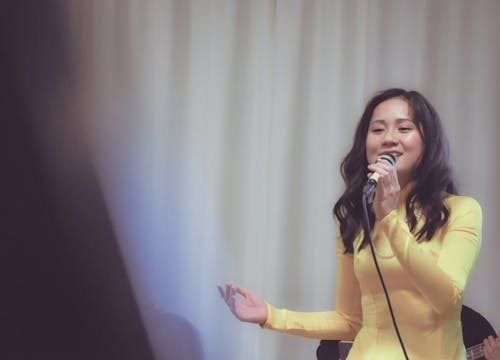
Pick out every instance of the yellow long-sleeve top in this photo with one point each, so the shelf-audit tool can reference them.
(425, 281)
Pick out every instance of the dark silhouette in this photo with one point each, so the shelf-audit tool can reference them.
(65, 291)
(174, 337)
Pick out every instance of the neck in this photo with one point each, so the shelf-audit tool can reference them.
(405, 179)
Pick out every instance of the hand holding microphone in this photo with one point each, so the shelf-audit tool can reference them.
(382, 185)
(373, 177)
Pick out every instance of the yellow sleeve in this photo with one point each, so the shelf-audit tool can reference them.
(443, 281)
(342, 324)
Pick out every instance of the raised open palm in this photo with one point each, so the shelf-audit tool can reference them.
(247, 307)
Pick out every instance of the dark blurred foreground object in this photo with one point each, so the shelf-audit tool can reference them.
(475, 329)
(65, 290)
(328, 349)
(174, 337)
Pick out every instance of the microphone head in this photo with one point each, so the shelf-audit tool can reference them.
(388, 157)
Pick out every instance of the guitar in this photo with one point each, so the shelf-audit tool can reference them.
(473, 353)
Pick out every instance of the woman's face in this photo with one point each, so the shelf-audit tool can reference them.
(392, 130)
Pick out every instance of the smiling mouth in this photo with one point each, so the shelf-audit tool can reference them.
(396, 154)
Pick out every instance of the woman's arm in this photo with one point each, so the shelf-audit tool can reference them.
(443, 281)
(342, 324)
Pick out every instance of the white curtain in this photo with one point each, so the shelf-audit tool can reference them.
(217, 128)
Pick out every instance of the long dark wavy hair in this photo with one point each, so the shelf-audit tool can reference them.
(432, 177)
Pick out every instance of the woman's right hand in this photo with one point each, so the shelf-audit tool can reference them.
(388, 188)
(247, 307)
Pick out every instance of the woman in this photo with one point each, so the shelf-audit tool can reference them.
(426, 241)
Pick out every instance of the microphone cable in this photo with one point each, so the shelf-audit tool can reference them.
(366, 228)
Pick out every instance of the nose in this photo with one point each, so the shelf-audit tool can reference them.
(390, 138)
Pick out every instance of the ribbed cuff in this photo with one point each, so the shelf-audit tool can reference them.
(276, 318)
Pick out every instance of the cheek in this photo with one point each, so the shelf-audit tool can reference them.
(370, 155)
(414, 142)
(414, 147)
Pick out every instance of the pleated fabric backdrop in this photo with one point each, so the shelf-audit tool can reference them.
(217, 128)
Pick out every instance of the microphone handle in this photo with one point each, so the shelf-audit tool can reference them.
(370, 186)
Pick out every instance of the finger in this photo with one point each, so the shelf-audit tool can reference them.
(227, 295)
(225, 291)
(386, 164)
(387, 176)
(376, 167)
(381, 169)
(242, 292)
(486, 350)
(391, 180)
(394, 173)
(233, 295)
(385, 182)
(221, 290)
(491, 342)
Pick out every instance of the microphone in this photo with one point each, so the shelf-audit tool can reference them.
(371, 184)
